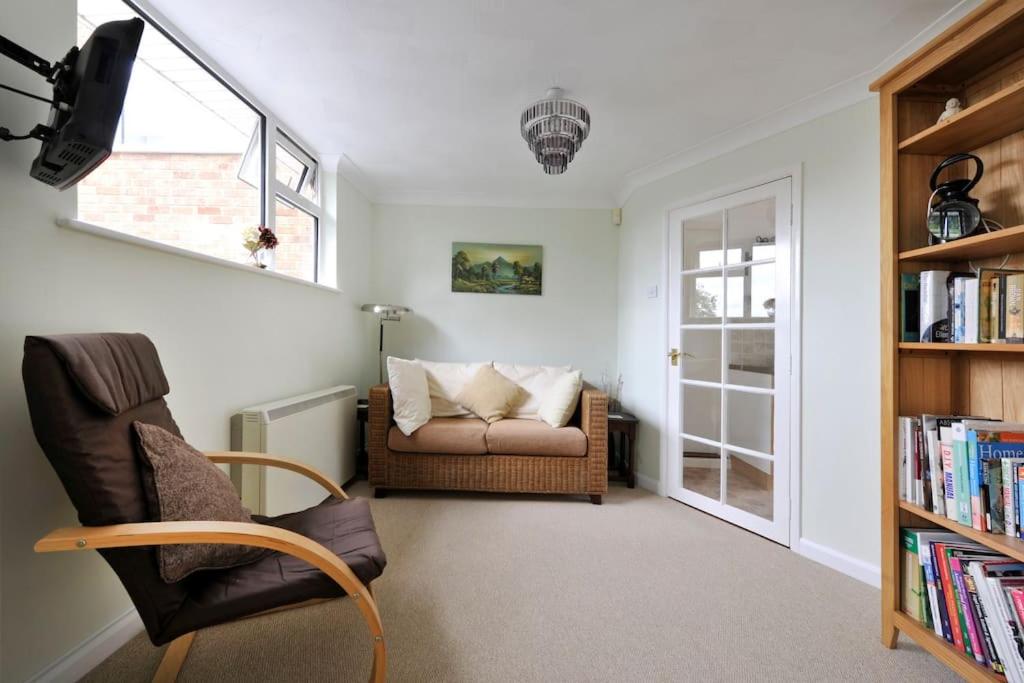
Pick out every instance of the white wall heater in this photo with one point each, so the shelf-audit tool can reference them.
(318, 429)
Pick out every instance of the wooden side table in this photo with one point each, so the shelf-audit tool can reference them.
(626, 425)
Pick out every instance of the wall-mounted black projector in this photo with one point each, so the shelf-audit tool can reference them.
(89, 86)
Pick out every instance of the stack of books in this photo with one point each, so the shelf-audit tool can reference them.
(968, 594)
(963, 308)
(969, 469)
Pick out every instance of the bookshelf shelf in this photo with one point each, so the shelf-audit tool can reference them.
(997, 243)
(1012, 547)
(978, 60)
(980, 348)
(990, 119)
(949, 655)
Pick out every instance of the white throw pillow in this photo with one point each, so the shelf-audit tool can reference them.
(410, 399)
(535, 380)
(559, 403)
(445, 381)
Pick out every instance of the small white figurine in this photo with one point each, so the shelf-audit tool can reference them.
(953, 107)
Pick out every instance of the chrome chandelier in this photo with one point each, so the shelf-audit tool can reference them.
(554, 129)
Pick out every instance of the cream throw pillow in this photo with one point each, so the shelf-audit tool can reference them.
(444, 382)
(410, 399)
(490, 395)
(559, 402)
(535, 381)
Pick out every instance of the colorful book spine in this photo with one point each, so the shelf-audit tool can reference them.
(961, 471)
(948, 479)
(1014, 312)
(971, 307)
(950, 595)
(940, 595)
(934, 306)
(974, 478)
(1009, 519)
(988, 649)
(993, 494)
(963, 610)
(910, 311)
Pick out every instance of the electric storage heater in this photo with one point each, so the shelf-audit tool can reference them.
(317, 429)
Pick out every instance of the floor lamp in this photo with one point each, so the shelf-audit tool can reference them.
(384, 312)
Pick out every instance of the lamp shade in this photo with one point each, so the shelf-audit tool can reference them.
(386, 311)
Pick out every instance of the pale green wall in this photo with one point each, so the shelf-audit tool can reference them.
(839, 155)
(227, 339)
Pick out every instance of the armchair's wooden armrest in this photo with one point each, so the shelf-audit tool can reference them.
(245, 458)
(238, 533)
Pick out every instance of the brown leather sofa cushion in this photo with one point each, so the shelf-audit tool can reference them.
(344, 527)
(532, 437)
(455, 435)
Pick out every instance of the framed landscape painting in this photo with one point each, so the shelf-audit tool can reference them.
(485, 268)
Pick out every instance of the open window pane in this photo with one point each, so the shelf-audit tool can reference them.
(297, 170)
(175, 172)
(296, 232)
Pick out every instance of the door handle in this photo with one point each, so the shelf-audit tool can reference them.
(674, 355)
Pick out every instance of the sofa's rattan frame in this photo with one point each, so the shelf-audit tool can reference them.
(587, 475)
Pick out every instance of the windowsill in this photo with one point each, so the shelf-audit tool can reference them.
(81, 226)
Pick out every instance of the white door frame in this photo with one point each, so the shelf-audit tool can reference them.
(795, 173)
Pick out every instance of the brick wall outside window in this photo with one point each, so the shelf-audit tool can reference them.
(192, 201)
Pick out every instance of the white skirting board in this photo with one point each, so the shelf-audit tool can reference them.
(858, 569)
(87, 656)
(647, 483)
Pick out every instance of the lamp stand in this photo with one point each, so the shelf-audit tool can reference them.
(380, 353)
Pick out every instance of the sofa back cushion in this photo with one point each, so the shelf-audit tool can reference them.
(444, 382)
(535, 381)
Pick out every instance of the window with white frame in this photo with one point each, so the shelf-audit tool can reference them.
(196, 165)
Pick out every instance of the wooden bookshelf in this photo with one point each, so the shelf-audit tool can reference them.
(988, 245)
(979, 60)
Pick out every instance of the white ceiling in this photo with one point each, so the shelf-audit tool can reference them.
(422, 99)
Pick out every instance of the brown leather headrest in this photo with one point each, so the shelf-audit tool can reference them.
(115, 371)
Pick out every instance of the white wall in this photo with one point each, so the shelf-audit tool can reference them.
(227, 338)
(839, 155)
(571, 323)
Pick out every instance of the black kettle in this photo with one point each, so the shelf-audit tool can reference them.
(957, 214)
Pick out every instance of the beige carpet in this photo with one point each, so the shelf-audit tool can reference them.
(529, 588)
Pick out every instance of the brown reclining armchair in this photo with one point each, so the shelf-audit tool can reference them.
(84, 392)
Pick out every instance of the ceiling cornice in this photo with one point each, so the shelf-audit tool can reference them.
(831, 99)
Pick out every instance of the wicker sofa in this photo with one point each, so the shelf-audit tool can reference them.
(512, 455)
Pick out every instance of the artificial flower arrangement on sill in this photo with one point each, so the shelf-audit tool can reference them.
(256, 241)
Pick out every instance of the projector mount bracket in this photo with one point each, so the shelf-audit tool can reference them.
(51, 72)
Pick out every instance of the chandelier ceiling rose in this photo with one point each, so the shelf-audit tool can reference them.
(554, 129)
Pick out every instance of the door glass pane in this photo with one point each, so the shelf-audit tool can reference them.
(702, 411)
(749, 484)
(702, 469)
(735, 297)
(762, 292)
(702, 241)
(752, 358)
(703, 298)
(751, 420)
(702, 355)
(749, 225)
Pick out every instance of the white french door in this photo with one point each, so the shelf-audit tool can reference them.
(730, 297)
